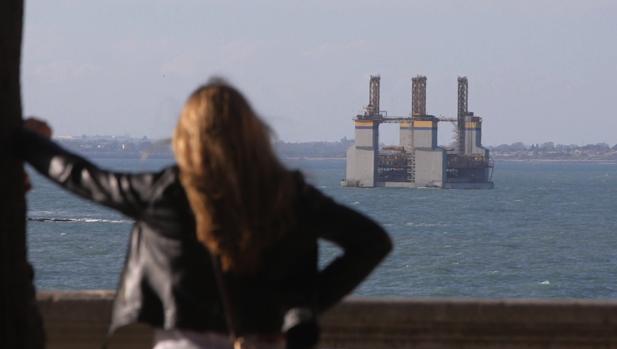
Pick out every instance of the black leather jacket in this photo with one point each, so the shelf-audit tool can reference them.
(168, 280)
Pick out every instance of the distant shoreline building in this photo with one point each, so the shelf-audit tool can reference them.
(418, 161)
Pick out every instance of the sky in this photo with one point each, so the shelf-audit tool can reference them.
(538, 70)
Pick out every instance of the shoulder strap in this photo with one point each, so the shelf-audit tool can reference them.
(228, 308)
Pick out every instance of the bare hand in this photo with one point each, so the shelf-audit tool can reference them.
(38, 126)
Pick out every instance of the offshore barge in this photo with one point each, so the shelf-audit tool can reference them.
(418, 161)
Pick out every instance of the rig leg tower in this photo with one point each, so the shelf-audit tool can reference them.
(469, 165)
(362, 155)
(429, 158)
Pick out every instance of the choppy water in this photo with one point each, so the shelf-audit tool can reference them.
(547, 230)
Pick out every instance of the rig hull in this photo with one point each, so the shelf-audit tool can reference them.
(418, 161)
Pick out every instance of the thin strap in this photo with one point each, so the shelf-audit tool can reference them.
(227, 305)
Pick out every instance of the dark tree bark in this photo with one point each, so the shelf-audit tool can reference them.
(20, 322)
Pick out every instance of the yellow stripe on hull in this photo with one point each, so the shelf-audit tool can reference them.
(424, 124)
(363, 123)
(472, 125)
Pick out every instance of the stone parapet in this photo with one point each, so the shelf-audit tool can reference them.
(80, 319)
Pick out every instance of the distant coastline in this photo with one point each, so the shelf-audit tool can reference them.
(312, 158)
(554, 160)
(599, 161)
(113, 147)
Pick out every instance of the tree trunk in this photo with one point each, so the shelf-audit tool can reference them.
(20, 323)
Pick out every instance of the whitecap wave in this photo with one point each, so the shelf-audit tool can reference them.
(426, 225)
(77, 220)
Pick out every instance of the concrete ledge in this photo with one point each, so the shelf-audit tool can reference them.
(80, 319)
(447, 323)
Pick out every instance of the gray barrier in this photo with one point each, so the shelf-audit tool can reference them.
(79, 320)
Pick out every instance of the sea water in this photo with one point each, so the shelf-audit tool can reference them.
(547, 230)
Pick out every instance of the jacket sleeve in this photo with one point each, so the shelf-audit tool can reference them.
(364, 244)
(125, 192)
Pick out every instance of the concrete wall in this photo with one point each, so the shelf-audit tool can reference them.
(473, 143)
(79, 320)
(425, 138)
(430, 167)
(473, 137)
(361, 157)
(367, 136)
(406, 135)
(360, 168)
(424, 132)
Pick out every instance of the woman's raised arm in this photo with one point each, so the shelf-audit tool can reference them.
(125, 192)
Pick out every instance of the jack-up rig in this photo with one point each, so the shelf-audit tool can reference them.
(418, 161)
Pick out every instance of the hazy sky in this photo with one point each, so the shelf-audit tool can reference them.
(538, 70)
